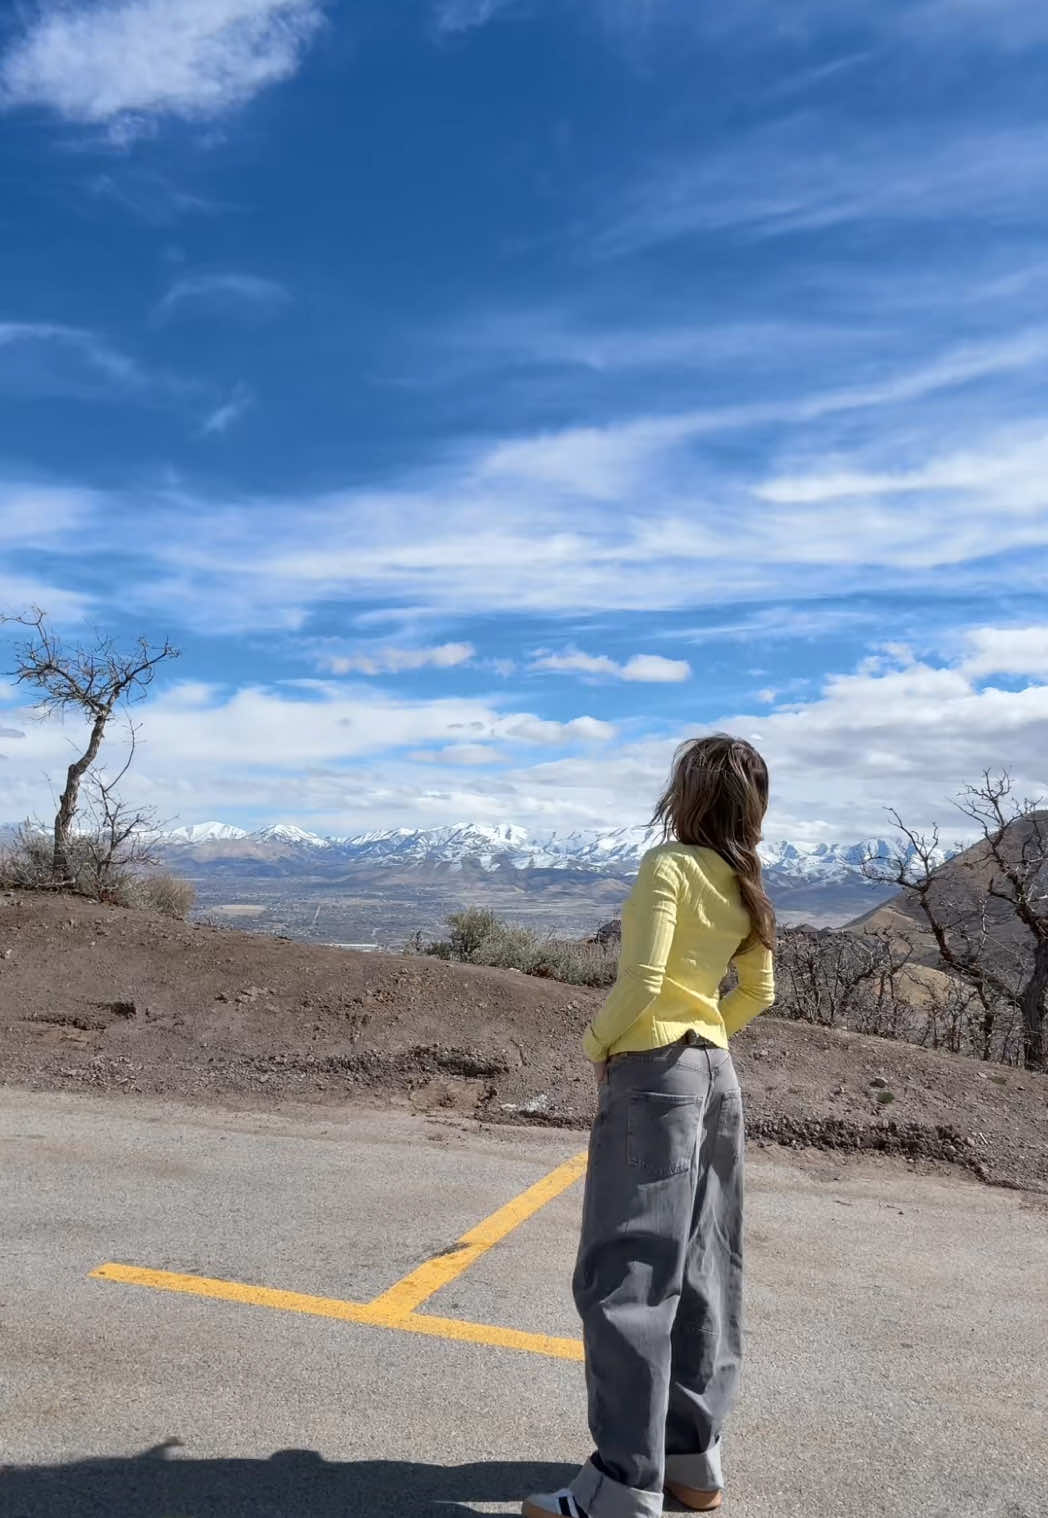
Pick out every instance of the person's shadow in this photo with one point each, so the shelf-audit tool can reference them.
(292, 1483)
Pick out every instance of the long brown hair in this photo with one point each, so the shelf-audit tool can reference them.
(717, 798)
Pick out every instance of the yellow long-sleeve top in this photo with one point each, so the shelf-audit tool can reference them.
(683, 924)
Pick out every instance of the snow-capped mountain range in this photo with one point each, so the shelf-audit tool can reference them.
(494, 847)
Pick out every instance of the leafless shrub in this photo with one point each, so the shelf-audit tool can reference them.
(840, 979)
(989, 923)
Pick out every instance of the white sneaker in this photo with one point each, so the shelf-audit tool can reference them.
(553, 1505)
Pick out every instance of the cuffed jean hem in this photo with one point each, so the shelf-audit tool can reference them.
(701, 1472)
(601, 1497)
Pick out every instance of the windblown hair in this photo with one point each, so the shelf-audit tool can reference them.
(717, 798)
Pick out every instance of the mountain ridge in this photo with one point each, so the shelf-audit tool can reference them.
(491, 847)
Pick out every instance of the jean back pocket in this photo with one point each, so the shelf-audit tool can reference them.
(662, 1133)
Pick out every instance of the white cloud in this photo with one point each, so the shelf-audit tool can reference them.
(1010, 463)
(1007, 651)
(648, 668)
(465, 15)
(210, 293)
(42, 519)
(470, 754)
(287, 750)
(20, 592)
(223, 416)
(125, 62)
(904, 734)
(654, 669)
(908, 736)
(39, 515)
(394, 661)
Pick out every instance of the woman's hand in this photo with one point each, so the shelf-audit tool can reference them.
(600, 1070)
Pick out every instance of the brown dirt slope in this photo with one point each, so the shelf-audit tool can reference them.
(102, 998)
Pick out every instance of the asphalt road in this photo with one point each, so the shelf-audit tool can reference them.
(897, 1346)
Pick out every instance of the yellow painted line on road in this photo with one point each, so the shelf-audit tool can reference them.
(487, 1333)
(348, 1312)
(395, 1308)
(235, 1291)
(421, 1284)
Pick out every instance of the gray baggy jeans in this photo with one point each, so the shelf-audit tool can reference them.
(658, 1283)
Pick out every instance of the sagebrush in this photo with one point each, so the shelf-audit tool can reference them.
(478, 937)
(27, 865)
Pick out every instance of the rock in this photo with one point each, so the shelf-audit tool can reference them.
(879, 1083)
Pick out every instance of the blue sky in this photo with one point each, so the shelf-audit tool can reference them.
(486, 395)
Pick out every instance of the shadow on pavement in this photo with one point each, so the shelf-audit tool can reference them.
(292, 1483)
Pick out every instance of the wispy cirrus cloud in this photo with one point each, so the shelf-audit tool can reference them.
(227, 412)
(53, 358)
(246, 294)
(128, 63)
(1004, 25)
(42, 523)
(636, 514)
(606, 462)
(467, 15)
(649, 669)
(793, 176)
(150, 197)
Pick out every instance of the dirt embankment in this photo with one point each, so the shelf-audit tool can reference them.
(102, 998)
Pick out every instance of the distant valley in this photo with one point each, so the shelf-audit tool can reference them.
(382, 887)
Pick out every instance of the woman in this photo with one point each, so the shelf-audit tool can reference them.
(658, 1283)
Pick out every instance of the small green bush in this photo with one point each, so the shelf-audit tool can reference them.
(470, 929)
(478, 937)
(577, 962)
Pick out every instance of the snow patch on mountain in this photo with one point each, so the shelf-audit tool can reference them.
(204, 832)
(287, 832)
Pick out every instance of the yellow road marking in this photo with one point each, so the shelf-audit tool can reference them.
(486, 1333)
(430, 1277)
(235, 1291)
(395, 1308)
(349, 1312)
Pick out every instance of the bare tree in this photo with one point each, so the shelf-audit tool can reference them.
(989, 923)
(121, 840)
(844, 979)
(92, 681)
